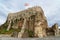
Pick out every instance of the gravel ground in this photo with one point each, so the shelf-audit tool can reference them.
(46, 38)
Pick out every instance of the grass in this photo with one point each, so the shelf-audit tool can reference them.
(4, 31)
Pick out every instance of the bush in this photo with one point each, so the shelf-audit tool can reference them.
(4, 31)
(30, 33)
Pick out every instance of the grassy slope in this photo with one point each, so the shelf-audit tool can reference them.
(3, 29)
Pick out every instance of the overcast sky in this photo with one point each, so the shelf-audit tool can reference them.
(51, 8)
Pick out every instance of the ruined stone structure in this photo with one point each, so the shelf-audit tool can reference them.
(32, 23)
(35, 21)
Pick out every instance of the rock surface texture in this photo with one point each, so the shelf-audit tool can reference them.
(55, 28)
(35, 21)
(32, 23)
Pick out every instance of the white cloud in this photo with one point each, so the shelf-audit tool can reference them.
(2, 20)
(51, 7)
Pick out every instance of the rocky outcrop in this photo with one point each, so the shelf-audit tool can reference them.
(35, 21)
(56, 29)
(32, 23)
(53, 31)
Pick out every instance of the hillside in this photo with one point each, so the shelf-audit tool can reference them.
(28, 23)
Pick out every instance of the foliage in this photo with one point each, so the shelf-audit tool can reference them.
(30, 32)
(4, 31)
